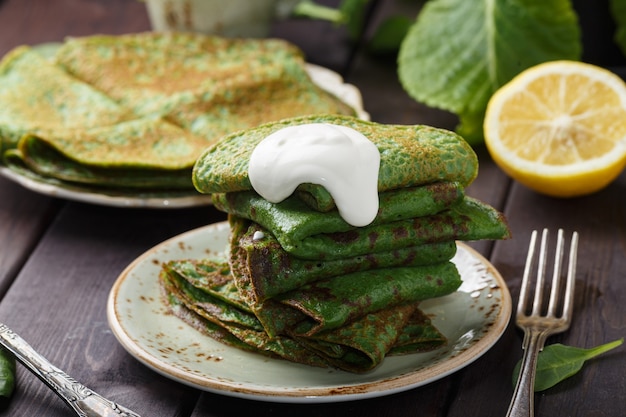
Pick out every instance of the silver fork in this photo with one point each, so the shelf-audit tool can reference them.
(541, 323)
(81, 399)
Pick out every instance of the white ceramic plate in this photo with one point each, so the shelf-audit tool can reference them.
(472, 319)
(111, 198)
(325, 78)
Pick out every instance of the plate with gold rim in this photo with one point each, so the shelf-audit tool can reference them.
(473, 319)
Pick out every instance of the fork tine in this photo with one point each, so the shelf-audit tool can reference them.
(522, 303)
(556, 275)
(568, 296)
(541, 273)
(537, 326)
(571, 278)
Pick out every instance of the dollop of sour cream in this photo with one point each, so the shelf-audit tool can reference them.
(338, 158)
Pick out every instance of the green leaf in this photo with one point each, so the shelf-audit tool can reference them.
(7, 373)
(312, 10)
(390, 34)
(459, 52)
(350, 13)
(558, 362)
(471, 127)
(618, 11)
(354, 15)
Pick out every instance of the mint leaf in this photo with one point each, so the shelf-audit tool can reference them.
(558, 362)
(459, 52)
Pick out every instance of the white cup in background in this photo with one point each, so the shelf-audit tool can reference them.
(228, 18)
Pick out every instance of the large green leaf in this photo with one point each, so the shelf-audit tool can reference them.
(459, 52)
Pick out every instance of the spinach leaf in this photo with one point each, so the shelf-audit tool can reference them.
(354, 15)
(350, 13)
(7, 373)
(389, 35)
(558, 362)
(312, 10)
(618, 11)
(459, 52)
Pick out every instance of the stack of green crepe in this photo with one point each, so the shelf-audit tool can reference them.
(301, 283)
(134, 112)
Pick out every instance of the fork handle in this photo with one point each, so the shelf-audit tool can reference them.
(523, 401)
(84, 401)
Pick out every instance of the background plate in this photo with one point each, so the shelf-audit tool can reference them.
(473, 319)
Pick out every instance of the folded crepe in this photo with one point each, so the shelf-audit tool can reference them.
(409, 156)
(308, 234)
(38, 97)
(267, 270)
(208, 85)
(201, 293)
(139, 154)
(136, 111)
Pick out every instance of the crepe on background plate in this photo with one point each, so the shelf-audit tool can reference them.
(133, 112)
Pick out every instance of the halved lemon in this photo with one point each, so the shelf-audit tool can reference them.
(559, 128)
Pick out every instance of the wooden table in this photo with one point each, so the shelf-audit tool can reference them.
(59, 259)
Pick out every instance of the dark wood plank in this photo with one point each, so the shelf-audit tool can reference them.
(52, 21)
(403, 404)
(491, 186)
(322, 44)
(58, 304)
(599, 308)
(24, 217)
(83, 250)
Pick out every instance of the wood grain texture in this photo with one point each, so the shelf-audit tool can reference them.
(34, 22)
(59, 259)
(24, 217)
(58, 304)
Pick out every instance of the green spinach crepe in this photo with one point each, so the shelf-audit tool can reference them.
(208, 85)
(409, 156)
(266, 270)
(202, 293)
(134, 112)
(142, 154)
(307, 234)
(315, 289)
(38, 97)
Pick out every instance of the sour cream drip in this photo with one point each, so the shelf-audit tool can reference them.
(338, 158)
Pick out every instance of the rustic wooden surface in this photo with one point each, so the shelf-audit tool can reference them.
(59, 259)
